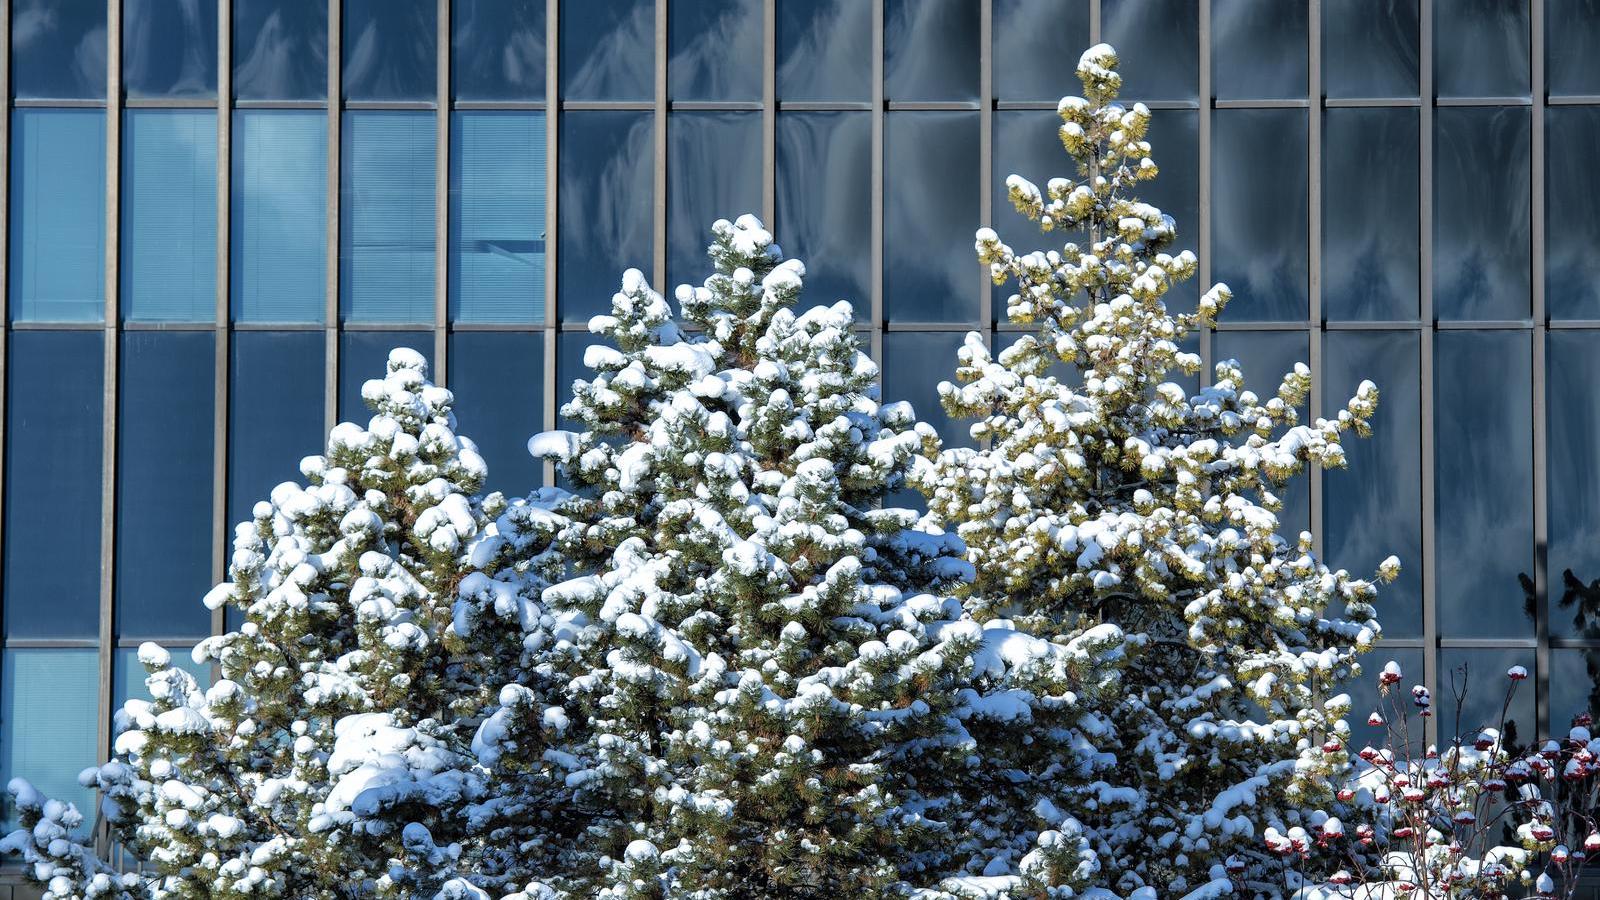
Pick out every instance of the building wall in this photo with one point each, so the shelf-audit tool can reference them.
(1396, 189)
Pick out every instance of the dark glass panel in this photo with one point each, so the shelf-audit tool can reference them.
(390, 49)
(169, 48)
(913, 365)
(608, 50)
(280, 50)
(386, 223)
(1258, 49)
(497, 216)
(58, 49)
(1370, 245)
(169, 215)
(1480, 48)
(52, 499)
(1572, 213)
(498, 49)
(824, 203)
(279, 215)
(1403, 727)
(1174, 138)
(1572, 43)
(930, 271)
(824, 50)
(570, 346)
(1481, 231)
(1369, 48)
(1033, 48)
(1027, 143)
(275, 413)
(1483, 466)
(1481, 674)
(498, 380)
(363, 356)
(1573, 456)
(713, 172)
(1265, 357)
(1574, 687)
(930, 49)
(1372, 508)
(1159, 44)
(49, 704)
(1258, 212)
(714, 49)
(128, 674)
(58, 215)
(607, 192)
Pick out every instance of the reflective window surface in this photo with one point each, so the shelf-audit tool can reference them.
(58, 215)
(1483, 438)
(713, 172)
(280, 50)
(1572, 213)
(1265, 357)
(1483, 675)
(169, 215)
(497, 49)
(1030, 41)
(386, 239)
(1370, 246)
(1158, 42)
(1572, 43)
(1365, 699)
(364, 355)
(389, 49)
(1574, 686)
(275, 414)
(497, 216)
(50, 703)
(930, 49)
(498, 380)
(1258, 49)
(570, 346)
(608, 50)
(169, 48)
(164, 506)
(128, 674)
(1369, 48)
(58, 49)
(1572, 366)
(279, 215)
(824, 203)
(1175, 141)
(824, 50)
(1481, 231)
(913, 365)
(714, 50)
(1258, 212)
(607, 189)
(930, 273)
(1480, 48)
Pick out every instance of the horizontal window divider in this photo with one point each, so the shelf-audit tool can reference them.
(170, 103)
(1483, 101)
(415, 105)
(385, 326)
(1053, 104)
(1349, 102)
(169, 326)
(171, 643)
(933, 326)
(1574, 100)
(1389, 643)
(63, 103)
(57, 326)
(640, 105)
(1282, 103)
(1446, 643)
(1573, 324)
(1373, 325)
(933, 105)
(1574, 643)
(518, 105)
(1484, 325)
(280, 104)
(824, 106)
(52, 644)
(502, 327)
(1302, 325)
(714, 105)
(279, 326)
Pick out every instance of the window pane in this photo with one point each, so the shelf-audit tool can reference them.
(386, 237)
(390, 49)
(1574, 686)
(280, 215)
(1369, 48)
(713, 172)
(1026, 143)
(1265, 357)
(607, 192)
(169, 215)
(128, 674)
(1365, 699)
(364, 355)
(1031, 41)
(1373, 507)
(608, 50)
(52, 499)
(930, 272)
(1258, 212)
(497, 169)
(1481, 233)
(1259, 49)
(714, 49)
(1573, 370)
(1483, 465)
(58, 49)
(930, 49)
(913, 365)
(275, 400)
(1483, 675)
(50, 704)
(824, 202)
(164, 444)
(1370, 261)
(498, 380)
(58, 215)
(824, 50)
(1174, 137)
(1572, 42)
(169, 48)
(1159, 43)
(570, 347)
(280, 50)
(1480, 48)
(497, 51)
(1572, 213)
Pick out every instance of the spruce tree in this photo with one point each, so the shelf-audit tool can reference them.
(1123, 501)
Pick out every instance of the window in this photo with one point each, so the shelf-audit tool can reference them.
(608, 50)
(1264, 358)
(1482, 672)
(1175, 138)
(497, 216)
(570, 347)
(714, 49)
(1481, 226)
(607, 189)
(1369, 48)
(713, 172)
(931, 273)
(386, 224)
(1159, 41)
(275, 413)
(280, 215)
(1574, 684)
(58, 49)
(498, 49)
(169, 215)
(913, 365)
(390, 49)
(49, 704)
(280, 50)
(1030, 40)
(1370, 248)
(824, 203)
(1259, 49)
(363, 356)
(930, 49)
(1480, 48)
(58, 215)
(1572, 213)
(1258, 212)
(169, 48)
(1573, 455)
(498, 380)
(128, 674)
(824, 50)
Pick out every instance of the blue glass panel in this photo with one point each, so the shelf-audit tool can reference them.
(913, 365)
(1483, 465)
(49, 706)
(608, 50)
(1258, 212)
(1369, 48)
(824, 202)
(1574, 686)
(824, 50)
(280, 215)
(1031, 37)
(1370, 231)
(1572, 42)
(1026, 143)
(1372, 508)
(128, 674)
(1393, 706)
(607, 192)
(169, 215)
(1481, 233)
(390, 49)
(275, 409)
(497, 210)
(386, 237)
(1481, 48)
(52, 499)
(280, 50)
(364, 355)
(169, 48)
(1259, 49)
(1572, 213)
(497, 49)
(1159, 44)
(58, 215)
(1265, 357)
(1175, 146)
(164, 445)
(58, 49)
(713, 172)
(1482, 675)
(714, 49)
(930, 49)
(498, 380)
(570, 346)
(930, 271)
(1573, 456)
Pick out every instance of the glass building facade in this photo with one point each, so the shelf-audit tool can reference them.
(220, 214)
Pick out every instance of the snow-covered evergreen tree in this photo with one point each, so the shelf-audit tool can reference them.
(1123, 501)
